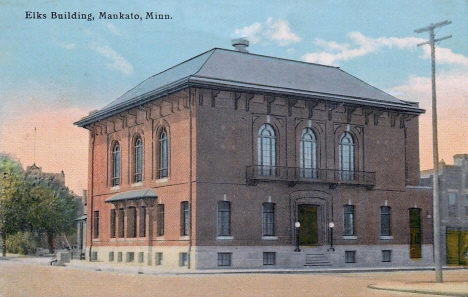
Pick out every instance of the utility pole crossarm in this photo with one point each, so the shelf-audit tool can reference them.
(432, 27)
(442, 38)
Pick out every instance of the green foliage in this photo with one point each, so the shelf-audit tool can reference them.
(21, 243)
(33, 202)
(12, 192)
(52, 208)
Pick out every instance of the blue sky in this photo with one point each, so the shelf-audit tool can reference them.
(55, 71)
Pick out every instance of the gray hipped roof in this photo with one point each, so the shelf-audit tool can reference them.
(223, 68)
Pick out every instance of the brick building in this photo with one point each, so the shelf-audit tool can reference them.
(453, 197)
(210, 164)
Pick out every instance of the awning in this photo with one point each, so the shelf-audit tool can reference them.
(133, 195)
(82, 218)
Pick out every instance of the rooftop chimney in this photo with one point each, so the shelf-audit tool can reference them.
(241, 45)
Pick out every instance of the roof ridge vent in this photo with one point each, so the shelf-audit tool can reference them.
(240, 44)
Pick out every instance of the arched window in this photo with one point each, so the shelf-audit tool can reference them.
(347, 157)
(116, 165)
(163, 154)
(138, 160)
(308, 154)
(266, 150)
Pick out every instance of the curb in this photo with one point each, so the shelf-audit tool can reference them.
(415, 291)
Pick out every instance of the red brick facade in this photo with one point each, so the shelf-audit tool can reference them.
(213, 138)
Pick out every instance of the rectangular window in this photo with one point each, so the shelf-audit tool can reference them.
(112, 223)
(131, 222)
(96, 224)
(183, 259)
(224, 259)
(385, 226)
(119, 257)
(130, 257)
(142, 221)
(184, 218)
(269, 258)
(224, 218)
(121, 222)
(160, 219)
(348, 220)
(159, 259)
(141, 257)
(268, 218)
(111, 256)
(466, 205)
(350, 256)
(94, 256)
(452, 209)
(387, 256)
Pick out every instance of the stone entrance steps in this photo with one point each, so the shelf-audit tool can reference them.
(317, 260)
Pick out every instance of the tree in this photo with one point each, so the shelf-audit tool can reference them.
(12, 189)
(52, 208)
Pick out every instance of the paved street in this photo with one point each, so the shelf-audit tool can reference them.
(33, 278)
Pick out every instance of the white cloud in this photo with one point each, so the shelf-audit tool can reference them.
(452, 110)
(277, 31)
(446, 56)
(252, 32)
(118, 62)
(361, 45)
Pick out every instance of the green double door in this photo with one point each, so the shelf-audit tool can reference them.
(308, 217)
(457, 247)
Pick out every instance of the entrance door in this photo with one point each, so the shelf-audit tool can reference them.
(308, 217)
(415, 232)
(457, 247)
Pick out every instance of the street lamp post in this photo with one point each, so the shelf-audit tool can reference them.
(297, 225)
(331, 225)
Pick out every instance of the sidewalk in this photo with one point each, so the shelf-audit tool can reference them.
(451, 287)
(443, 289)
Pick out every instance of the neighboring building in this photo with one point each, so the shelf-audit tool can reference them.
(79, 248)
(210, 164)
(453, 197)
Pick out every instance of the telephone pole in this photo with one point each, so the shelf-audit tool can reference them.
(435, 147)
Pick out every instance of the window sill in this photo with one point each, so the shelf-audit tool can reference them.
(138, 184)
(115, 188)
(269, 237)
(184, 238)
(225, 238)
(386, 237)
(129, 239)
(162, 180)
(349, 237)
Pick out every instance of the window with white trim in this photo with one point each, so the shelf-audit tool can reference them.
(385, 222)
(138, 160)
(346, 157)
(115, 165)
(266, 150)
(163, 154)
(308, 154)
(224, 218)
(268, 219)
(348, 215)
